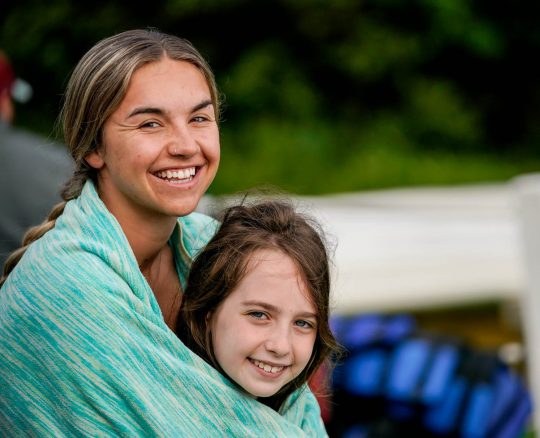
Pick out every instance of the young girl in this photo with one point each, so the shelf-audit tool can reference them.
(256, 304)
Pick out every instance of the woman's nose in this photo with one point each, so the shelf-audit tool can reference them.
(182, 142)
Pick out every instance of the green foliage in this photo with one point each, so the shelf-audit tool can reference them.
(326, 96)
(373, 50)
(258, 84)
(437, 116)
(455, 21)
(306, 158)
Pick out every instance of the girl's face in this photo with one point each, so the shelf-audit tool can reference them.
(263, 333)
(160, 148)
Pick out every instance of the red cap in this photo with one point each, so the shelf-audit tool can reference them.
(7, 75)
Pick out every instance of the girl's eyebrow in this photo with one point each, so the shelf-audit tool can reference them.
(262, 304)
(161, 112)
(272, 308)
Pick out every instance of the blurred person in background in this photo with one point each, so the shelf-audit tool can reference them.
(33, 169)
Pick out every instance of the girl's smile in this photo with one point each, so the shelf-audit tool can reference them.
(267, 367)
(264, 331)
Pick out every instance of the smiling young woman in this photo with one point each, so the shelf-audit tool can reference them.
(87, 303)
(159, 153)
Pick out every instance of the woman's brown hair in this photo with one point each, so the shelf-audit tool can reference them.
(95, 89)
(223, 263)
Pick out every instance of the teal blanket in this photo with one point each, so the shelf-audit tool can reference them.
(85, 350)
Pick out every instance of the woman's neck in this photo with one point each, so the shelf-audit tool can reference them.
(148, 243)
(156, 262)
(147, 231)
(148, 234)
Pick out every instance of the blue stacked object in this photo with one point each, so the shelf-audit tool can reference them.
(397, 381)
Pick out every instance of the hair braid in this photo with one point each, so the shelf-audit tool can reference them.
(31, 235)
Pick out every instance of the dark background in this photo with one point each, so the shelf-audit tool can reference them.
(325, 96)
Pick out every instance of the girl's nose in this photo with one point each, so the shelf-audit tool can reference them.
(279, 342)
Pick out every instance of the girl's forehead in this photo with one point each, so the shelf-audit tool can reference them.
(269, 256)
(274, 275)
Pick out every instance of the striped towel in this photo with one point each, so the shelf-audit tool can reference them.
(85, 351)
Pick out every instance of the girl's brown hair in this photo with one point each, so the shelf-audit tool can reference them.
(223, 263)
(96, 88)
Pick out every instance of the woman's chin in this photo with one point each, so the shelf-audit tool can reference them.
(183, 207)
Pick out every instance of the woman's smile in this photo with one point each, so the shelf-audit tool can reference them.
(177, 175)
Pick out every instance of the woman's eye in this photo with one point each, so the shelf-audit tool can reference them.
(200, 119)
(150, 125)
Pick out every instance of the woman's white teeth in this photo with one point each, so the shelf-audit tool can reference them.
(266, 367)
(177, 174)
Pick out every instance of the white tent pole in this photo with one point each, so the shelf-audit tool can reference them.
(528, 209)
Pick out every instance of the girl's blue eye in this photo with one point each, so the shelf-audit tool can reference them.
(257, 315)
(304, 324)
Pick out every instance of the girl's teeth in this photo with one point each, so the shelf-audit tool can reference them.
(266, 367)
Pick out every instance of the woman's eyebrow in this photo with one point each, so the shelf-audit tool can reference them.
(202, 105)
(161, 112)
(146, 110)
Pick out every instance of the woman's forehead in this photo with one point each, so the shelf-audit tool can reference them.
(168, 81)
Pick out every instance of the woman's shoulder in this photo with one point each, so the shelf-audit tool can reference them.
(53, 271)
(68, 267)
(198, 222)
(197, 229)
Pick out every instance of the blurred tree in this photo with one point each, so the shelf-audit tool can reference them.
(326, 96)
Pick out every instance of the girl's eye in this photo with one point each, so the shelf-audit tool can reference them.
(304, 324)
(257, 315)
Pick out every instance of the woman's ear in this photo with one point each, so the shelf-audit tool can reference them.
(95, 159)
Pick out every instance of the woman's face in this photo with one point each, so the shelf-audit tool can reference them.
(160, 148)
